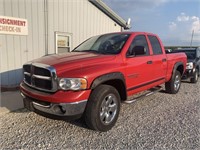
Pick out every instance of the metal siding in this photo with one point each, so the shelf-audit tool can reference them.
(10, 47)
(1, 7)
(50, 26)
(41, 30)
(55, 15)
(4, 60)
(34, 29)
(30, 30)
(16, 47)
(23, 39)
(16, 50)
(73, 20)
(81, 18)
(61, 15)
(81, 21)
(3, 54)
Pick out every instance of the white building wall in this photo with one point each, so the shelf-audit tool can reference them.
(78, 17)
(15, 50)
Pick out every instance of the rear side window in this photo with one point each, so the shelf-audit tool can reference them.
(155, 45)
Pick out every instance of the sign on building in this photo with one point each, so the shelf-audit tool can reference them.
(14, 26)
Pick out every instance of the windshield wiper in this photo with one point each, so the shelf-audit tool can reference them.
(92, 51)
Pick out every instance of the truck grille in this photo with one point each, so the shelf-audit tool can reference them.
(40, 76)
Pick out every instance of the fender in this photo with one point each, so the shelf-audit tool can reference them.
(176, 68)
(108, 77)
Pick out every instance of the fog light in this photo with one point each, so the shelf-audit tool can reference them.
(59, 109)
(63, 110)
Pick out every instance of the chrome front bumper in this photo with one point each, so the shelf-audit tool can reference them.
(55, 109)
(189, 73)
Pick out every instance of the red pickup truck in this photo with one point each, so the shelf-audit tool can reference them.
(99, 74)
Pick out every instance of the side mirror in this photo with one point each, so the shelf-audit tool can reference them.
(138, 50)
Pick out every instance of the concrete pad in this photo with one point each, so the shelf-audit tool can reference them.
(3, 110)
(10, 101)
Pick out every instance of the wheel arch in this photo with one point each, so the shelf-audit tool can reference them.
(180, 67)
(115, 79)
(198, 67)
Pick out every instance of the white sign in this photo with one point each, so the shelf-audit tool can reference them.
(15, 26)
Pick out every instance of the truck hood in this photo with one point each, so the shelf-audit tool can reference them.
(74, 60)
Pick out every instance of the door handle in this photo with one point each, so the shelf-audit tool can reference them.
(149, 62)
(164, 60)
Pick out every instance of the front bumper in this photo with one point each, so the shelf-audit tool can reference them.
(189, 73)
(55, 110)
(59, 105)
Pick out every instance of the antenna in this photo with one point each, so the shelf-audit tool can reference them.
(192, 38)
(129, 21)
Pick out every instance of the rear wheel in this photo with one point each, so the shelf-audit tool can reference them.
(195, 78)
(103, 108)
(174, 84)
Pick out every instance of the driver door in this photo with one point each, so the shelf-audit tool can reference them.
(139, 68)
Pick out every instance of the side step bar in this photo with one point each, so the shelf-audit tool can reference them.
(151, 91)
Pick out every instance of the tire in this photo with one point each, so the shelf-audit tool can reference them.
(195, 78)
(103, 108)
(174, 84)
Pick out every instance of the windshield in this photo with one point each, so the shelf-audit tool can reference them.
(104, 44)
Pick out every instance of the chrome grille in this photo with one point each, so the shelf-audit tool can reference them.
(40, 76)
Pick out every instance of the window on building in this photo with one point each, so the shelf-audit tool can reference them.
(155, 45)
(63, 42)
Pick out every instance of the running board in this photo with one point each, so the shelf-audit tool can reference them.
(151, 91)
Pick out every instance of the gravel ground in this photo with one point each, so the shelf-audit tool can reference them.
(160, 121)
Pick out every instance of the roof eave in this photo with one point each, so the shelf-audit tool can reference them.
(109, 12)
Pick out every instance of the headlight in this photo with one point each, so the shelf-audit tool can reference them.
(73, 83)
(189, 65)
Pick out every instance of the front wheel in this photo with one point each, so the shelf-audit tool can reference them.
(195, 78)
(174, 84)
(103, 108)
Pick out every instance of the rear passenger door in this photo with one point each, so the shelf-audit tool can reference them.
(158, 58)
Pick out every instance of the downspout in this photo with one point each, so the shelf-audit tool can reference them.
(46, 25)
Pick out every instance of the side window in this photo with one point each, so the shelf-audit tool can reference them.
(155, 45)
(198, 52)
(139, 40)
